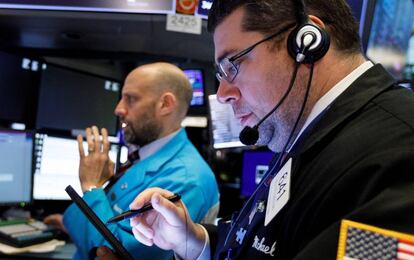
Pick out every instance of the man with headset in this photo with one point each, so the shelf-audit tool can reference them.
(344, 130)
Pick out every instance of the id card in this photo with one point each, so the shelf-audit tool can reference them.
(279, 192)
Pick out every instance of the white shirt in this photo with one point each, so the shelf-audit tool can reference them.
(318, 108)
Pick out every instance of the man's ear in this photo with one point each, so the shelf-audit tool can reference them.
(168, 103)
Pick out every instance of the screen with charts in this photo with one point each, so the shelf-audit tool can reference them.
(391, 29)
(225, 127)
(255, 165)
(57, 166)
(74, 100)
(16, 149)
(195, 76)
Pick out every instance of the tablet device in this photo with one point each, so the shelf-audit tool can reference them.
(99, 225)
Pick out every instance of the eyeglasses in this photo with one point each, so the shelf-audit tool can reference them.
(227, 69)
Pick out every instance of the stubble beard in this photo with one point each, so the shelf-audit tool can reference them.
(273, 134)
(144, 133)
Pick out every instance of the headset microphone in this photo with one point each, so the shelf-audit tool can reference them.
(249, 135)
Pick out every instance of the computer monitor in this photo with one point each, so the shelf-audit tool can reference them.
(390, 30)
(225, 128)
(255, 165)
(203, 8)
(16, 149)
(356, 7)
(195, 76)
(57, 166)
(19, 80)
(71, 100)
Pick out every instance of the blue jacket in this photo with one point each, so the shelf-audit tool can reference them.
(177, 167)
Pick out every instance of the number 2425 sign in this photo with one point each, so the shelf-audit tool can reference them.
(184, 23)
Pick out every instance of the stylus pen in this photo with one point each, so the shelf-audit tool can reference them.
(133, 212)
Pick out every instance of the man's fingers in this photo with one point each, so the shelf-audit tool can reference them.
(105, 142)
(157, 197)
(104, 253)
(145, 230)
(145, 197)
(89, 140)
(142, 238)
(167, 209)
(96, 139)
(79, 138)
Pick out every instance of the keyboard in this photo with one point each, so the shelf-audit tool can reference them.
(25, 233)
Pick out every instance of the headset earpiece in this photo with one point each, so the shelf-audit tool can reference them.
(319, 45)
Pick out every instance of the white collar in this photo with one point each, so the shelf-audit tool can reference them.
(151, 148)
(332, 94)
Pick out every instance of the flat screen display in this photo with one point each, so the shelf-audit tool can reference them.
(71, 100)
(203, 8)
(255, 165)
(391, 29)
(57, 166)
(128, 6)
(195, 76)
(225, 127)
(19, 80)
(16, 149)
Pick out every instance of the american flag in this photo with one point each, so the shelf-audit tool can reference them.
(366, 242)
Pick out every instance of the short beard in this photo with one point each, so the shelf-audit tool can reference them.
(143, 134)
(273, 137)
(267, 134)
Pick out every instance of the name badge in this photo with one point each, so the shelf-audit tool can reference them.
(279, 192)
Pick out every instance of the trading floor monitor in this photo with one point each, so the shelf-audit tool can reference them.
(388, 36)
(69, 100)
(255, 166)
(196, 78)
(16, 149)
(57, 166)
(225, 127)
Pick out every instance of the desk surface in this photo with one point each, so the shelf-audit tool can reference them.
(62, 252)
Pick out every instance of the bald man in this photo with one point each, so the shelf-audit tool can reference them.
(155, 100)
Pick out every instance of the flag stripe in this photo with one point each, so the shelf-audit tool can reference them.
(349, 258)
(408, 242)
(402, 256)
(406, 248)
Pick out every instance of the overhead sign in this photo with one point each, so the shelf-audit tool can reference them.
(184, 23)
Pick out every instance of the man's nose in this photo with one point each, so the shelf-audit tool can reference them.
(120, 109)
(227, 92)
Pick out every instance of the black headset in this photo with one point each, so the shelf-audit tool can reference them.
(307, 43)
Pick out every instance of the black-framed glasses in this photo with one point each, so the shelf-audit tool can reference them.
(227, 69)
